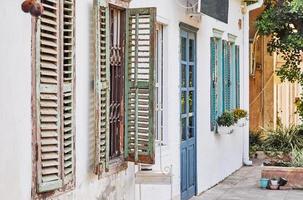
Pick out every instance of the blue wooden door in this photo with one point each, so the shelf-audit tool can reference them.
(188, 114)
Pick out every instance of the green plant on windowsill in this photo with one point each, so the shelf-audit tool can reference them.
(226, 119)
(239, 114)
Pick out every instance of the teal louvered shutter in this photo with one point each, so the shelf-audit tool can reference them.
(237, 64)
(232, 76)
(48, 99)
(139, 85)
(213, 84)
(102, 86)
(226, 76)
(68, 79)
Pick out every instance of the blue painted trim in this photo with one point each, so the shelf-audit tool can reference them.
(185, 31)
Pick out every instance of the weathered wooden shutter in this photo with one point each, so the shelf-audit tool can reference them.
(213, 86)
(139, 85)
(48, 98)
(102, 85)
(67, 78)
(237, 64)
(226, 75)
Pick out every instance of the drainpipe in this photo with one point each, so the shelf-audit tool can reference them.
(245, 73)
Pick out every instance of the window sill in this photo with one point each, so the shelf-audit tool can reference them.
(116, 165)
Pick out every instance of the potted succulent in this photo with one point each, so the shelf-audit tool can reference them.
(240, 117)
(225, 123)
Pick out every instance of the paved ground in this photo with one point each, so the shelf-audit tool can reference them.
(242, 185)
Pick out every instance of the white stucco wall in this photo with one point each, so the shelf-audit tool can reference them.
(15, 102)
(217, 155)
(15, 111)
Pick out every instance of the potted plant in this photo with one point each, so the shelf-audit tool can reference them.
(225, 123)
(240, 117)
(264, 182)
(274, 181)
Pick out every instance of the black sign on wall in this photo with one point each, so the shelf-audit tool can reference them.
(217, 9)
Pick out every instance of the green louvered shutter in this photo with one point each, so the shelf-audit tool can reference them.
(102, 86)
(226, 75)
(139, 85)
(48, 98)
(237, 64)
(68, 78)
(213, 86)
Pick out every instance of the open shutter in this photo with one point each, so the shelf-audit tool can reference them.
(213, 86)
(102, 92)
(48, 98)
(68, 64)
(237, 63)
(139, 85)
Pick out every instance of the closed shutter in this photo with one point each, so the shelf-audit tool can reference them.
(213, 86)
(139, 85)
(226, 75)
(48, 98)
(68, 90)
(237, 63)
(102, 92)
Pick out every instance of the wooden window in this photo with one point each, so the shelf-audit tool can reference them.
(136, 109)
(54, 162)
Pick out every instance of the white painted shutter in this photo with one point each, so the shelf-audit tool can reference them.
(102, 85)
(48, 98)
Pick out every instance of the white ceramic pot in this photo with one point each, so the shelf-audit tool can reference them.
(225, 130)
(274, 182)
(242, 122)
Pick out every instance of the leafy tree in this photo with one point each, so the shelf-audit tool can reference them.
(282, 20)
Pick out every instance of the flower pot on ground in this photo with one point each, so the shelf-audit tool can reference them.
(264, 183)
(274, 182)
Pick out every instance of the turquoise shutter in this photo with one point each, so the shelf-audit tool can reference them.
(49, 171)
(226, 76)
(139, 85)
(102, 86)
(237, 64)
(213, 84)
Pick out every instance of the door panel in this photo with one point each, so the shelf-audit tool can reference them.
(188, 106)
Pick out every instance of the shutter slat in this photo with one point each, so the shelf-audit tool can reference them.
(139, 85)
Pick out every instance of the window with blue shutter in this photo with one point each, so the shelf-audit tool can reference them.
(237, 75)
(213, 85)
(216, 87)
(226, 75)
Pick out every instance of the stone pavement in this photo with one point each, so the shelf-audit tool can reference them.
(243, 185)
